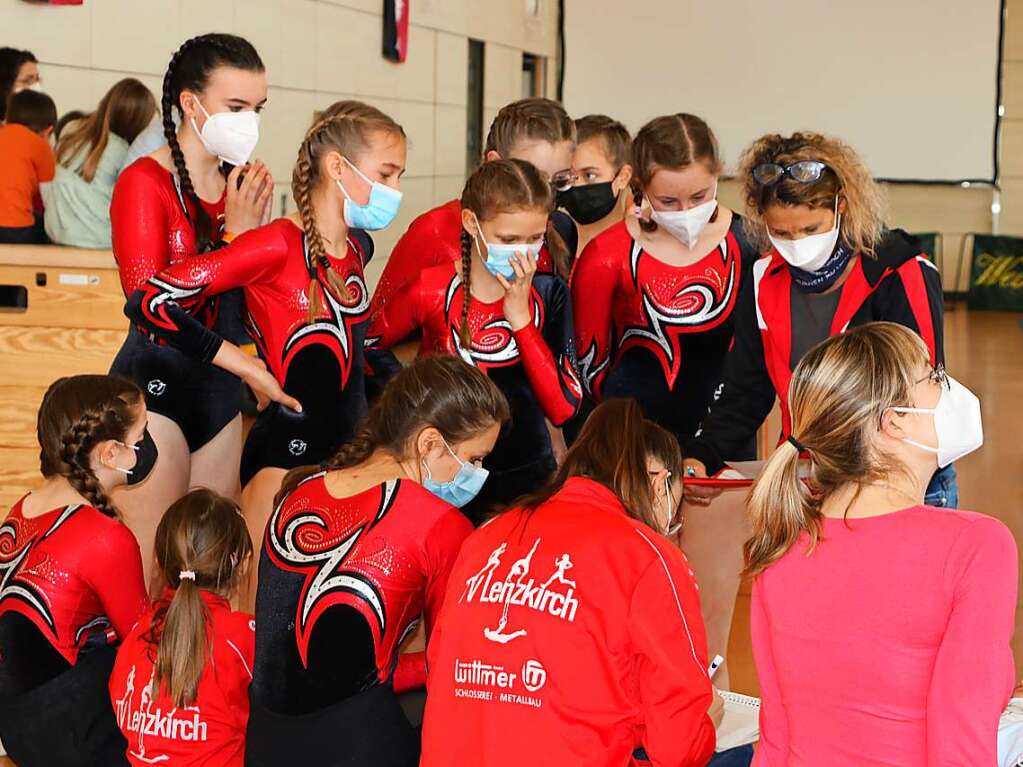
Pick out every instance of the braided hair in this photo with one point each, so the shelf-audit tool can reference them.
(347, 131)
(78, 413)
(189, 69)
(441, 391)
(495, 187)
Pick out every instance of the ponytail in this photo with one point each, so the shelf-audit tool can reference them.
(781, 508)
(201, 544)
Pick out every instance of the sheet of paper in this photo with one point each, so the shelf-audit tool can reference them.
(741, 722)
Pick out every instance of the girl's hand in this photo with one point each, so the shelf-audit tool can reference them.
(517, 293)
(266, 389)
(248, 206)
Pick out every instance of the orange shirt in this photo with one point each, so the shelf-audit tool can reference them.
(26, 161)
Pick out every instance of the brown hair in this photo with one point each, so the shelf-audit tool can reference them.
(533, 119)
(838, 394)
(611, 449)
(190, 69)
(125, 110)
(862, 223)
(617, 141)
(662, 445)
(347, 130)
(444, 392)
(77, 413)
(36, 111)
(674, 142)
(505, 186)
(204, 534)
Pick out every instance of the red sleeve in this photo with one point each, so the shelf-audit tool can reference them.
(920, 305)
(234, 673)
(773, 748)
(555, 383)
(426, 243)
(44, 161)
(115, 574)
(165, 303)
(670, 646)
(594, 281)
(139, 227)
(973, 673)
(395, 320)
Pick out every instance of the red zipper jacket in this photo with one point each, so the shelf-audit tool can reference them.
(899, 285)
(569, 635)
(210, 732)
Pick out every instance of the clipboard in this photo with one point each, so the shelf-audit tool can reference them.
(737, 474)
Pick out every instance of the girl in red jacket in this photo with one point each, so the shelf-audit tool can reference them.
(180, 684)
(571, 629)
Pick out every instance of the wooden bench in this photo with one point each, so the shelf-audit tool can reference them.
(61, 313)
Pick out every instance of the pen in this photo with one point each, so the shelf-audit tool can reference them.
(714, 666)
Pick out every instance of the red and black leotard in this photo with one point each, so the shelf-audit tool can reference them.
(151, 227)
(70, 580)
(656, 332)
(342, 582)
(899, 285)
(534, 366)
(435, 238)
(319, 363)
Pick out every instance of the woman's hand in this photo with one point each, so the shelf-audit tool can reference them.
(248, 206)
(517, 292)
(697, 494)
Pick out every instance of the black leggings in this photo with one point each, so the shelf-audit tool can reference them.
(366, 730)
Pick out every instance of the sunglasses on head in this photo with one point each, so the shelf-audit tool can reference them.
(804, 171)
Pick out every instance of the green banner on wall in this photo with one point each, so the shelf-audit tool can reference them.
(928, 244)
(996, 275)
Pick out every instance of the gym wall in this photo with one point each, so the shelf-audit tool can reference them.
(316, 52)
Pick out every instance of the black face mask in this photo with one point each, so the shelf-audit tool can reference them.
(589, 203)
(145, 459)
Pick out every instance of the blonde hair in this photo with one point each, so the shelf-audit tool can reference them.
(346, 128)
(838, 394)
(862, 223)
(533, 119)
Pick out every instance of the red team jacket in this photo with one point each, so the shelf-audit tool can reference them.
(570, 635)
(209, 733)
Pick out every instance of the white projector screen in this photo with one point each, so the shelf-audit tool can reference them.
(911, 84)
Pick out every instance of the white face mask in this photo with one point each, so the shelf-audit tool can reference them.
(957, 423)
(231, 136)
(809, 253)
(685, 225)
(667, 527)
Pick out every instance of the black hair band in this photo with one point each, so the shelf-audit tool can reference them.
(796, 444)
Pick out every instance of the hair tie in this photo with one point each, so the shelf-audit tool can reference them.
(186, 575)
(797, 444)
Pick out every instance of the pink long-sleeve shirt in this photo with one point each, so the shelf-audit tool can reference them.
(889, 644)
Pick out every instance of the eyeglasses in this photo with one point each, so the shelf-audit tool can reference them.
(562, 182)
(938, 376)
(804, 171)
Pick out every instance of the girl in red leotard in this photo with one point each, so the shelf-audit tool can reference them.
(305, 296)
(71, 582)
(495, 312)
(168, 207)
(354, 555)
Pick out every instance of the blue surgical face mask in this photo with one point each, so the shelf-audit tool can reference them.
(461, 488)
(376, 214)
(498, 256)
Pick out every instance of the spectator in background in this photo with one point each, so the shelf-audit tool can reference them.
(90, 156)
(19, 70)
(65, 120)
(27, 161)
(149, 140)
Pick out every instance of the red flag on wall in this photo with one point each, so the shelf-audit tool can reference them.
(396, 29)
